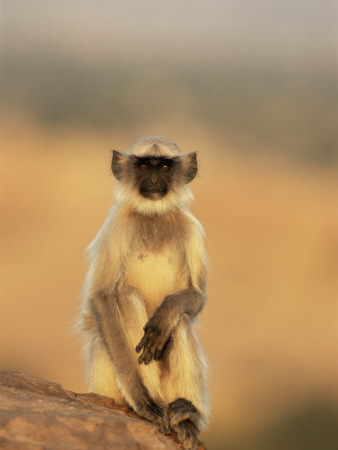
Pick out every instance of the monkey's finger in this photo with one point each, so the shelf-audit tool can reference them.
(154, 409)
(153, 412)
(150, 344)
(140, 345)
(148, 351)
(143, 356)
(161, 344)
(161, 348)
(163, 425)
(146, 357)
(143, 342)
(140, 358)
(158, 354)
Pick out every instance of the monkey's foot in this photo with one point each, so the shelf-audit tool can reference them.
(180, 410)
(183, 418)
(187, 434)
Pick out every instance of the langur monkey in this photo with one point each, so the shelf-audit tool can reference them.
(145, 287)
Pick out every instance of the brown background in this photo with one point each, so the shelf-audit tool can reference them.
(250, 91)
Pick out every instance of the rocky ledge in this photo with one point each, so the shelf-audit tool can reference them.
(38, 414)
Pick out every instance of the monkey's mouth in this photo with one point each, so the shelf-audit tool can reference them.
(153, 194)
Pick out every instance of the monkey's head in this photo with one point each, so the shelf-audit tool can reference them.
(153, 175)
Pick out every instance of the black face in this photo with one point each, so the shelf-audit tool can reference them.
(153, 176)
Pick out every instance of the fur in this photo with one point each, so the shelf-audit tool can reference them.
(145, 286)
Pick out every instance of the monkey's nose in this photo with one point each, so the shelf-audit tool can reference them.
(154, 179)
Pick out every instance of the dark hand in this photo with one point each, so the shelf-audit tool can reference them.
(156, 336)
(154, 413)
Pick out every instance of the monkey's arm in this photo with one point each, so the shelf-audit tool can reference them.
(188, 302)
(158, 329)
(108, 255)
(107, 318)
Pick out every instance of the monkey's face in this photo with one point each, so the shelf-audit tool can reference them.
(153, 183)
(153, 176)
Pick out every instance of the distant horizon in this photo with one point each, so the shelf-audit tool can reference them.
(261, 75)
(263, 29)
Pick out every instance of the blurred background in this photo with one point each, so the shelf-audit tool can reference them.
(251, 86)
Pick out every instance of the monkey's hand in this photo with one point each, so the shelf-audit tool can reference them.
(157, 333)
(149, 410)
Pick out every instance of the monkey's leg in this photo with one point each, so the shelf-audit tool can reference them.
(186, 384)
(134, 316)
(101, 372)
(116, 320)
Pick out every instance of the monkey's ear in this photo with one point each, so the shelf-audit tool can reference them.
(189, 166)
(116, 165)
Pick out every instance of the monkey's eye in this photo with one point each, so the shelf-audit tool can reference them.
(144, 167)
(164, 167)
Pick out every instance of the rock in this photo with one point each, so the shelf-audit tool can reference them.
(39, 414)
